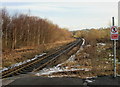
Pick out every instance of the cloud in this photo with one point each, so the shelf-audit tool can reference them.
(63, 6)
(36, 8)
(44, 7)
(73, 15)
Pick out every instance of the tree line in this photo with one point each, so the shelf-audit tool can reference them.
(25, 30)
(92, 35)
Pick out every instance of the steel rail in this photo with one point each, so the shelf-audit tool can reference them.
(40, 62)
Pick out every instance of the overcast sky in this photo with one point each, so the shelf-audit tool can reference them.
(74, 14)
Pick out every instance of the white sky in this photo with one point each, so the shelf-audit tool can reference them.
(59, 0)
(72, 14)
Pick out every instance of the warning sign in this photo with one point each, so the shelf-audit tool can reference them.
(114, 30)
(114, 36)
(114, 33)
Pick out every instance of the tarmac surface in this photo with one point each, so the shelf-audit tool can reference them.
(66, 81)
(106, 80)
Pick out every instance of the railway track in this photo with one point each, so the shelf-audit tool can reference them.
(41, 62)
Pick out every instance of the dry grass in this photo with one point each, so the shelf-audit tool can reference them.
(94, 58)
(24, 53)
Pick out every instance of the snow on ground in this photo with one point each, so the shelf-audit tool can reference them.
(61, 76)
(20, 63)
(91, 77)
(72, 58)
(83, 42)
(89, 81)
(111, 55)
(81, 48)
(102, 44)
(88, 45)
(57, 68)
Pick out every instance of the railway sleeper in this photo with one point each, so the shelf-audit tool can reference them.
(38, 64)
(28, 69)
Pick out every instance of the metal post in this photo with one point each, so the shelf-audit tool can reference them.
(114, 52)
(114, 58)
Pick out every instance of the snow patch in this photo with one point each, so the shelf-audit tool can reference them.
(83, 42)
(111, 55)
(72, 58)
(62, 76)
(91, 77)
(88, 45)
(89, 81)
(102, 44)
(58, 69)
(81, 48)
(20, 63)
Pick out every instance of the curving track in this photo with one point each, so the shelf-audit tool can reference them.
(41, 62)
